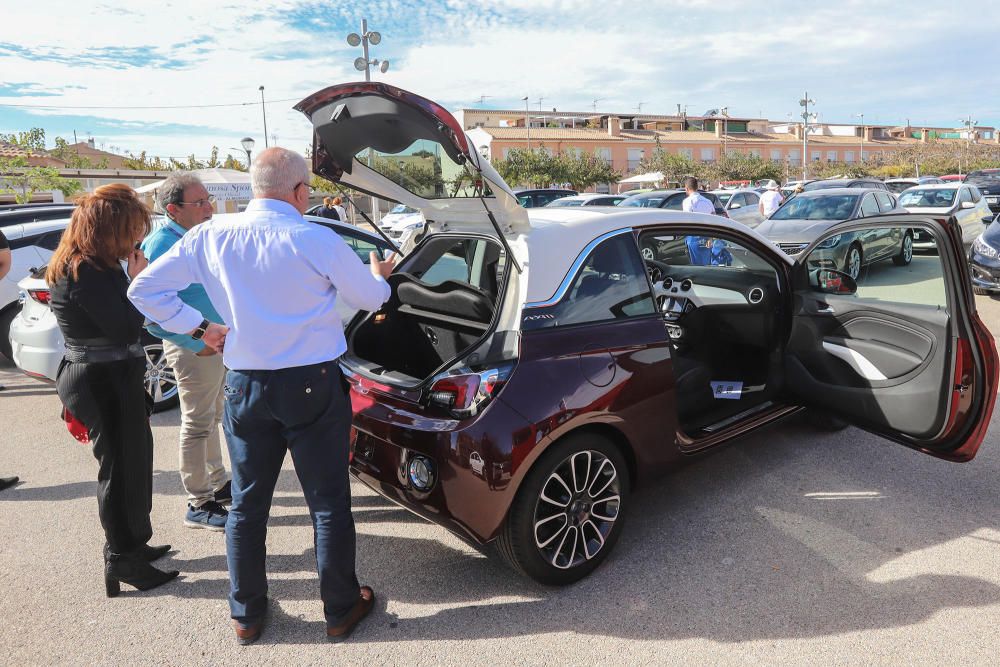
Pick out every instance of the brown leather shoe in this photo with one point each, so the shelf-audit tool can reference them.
(366, 600)
(247, 636)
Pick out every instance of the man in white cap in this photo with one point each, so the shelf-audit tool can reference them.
(770, 201)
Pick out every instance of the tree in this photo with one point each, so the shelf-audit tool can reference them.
(539, 168)
(738, 166)
(22, 179)
(142, 162)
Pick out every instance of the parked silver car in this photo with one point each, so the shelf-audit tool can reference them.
(741, 205)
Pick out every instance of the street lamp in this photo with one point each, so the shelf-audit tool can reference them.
(247, 144)
(527, 121)
(264, 114)
(804, 103)
(862, 117)
(365, 63)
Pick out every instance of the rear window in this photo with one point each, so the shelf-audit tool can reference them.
(983, 177)
(645, 201)
(564, 202)
(898, 187)
(928, 198)
(472, 261)
(425, 169)
(830, 207)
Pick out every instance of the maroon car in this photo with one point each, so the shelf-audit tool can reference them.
(531, 368)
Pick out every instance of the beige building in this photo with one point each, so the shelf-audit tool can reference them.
(624, 140)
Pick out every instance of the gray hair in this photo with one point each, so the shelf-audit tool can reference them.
(277, 171)
(172, 190)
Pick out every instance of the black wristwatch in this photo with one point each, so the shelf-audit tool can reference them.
(200, 331)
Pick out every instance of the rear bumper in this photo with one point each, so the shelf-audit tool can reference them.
(473, 462)
(37, 347)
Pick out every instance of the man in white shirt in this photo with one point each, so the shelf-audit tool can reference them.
(770, 201)
(694, 202)
(274, 279)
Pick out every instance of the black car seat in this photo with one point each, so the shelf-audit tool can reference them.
(603, 263)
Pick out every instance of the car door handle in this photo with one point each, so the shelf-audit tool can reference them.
(824, 309)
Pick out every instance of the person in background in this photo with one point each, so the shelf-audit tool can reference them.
(694, 202)
(276, 280)
(337, 204)
(770, 201)
(101, 379)
(197, 367)
(5, 264)
(328, 210)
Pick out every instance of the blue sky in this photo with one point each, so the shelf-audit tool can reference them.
(892, 61)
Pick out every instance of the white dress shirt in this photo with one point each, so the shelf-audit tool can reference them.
(695, 203)
(274, 279)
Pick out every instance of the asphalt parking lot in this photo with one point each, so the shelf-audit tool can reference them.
(794, 546)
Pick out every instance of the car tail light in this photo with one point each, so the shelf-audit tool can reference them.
(42, 296)
(465, 394)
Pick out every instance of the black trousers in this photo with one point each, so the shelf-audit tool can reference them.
(111, 400)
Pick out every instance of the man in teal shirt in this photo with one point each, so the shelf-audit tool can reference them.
(198, 369)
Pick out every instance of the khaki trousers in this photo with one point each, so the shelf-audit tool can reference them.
(199, 387)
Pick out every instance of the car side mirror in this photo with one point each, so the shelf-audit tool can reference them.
(968, 204)
(735, 206)
(987, 219)
(830, 281)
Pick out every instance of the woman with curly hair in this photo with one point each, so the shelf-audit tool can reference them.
(101, 379)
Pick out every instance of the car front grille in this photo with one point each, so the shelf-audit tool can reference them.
(792, 248)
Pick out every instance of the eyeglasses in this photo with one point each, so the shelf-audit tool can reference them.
(199, 202)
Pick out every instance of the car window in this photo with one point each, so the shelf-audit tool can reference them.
(644, 202)
(676, 201)
(964, 195)
(48, 241)
(752, 199)
(610, 285)
(885, 202)
(918, 281)
(565, 201)
(526, 201)
(868, 206)
(725, 197)
(738, 198)
(928, 197)
(819, 207)
(363, 246)
(468, 261)
(859, 184)
(699, 250)
(976, 194)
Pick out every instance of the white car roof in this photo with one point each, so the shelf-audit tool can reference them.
(935, 186)
(558, 236)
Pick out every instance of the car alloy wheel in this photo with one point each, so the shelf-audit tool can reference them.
(568, 512)
(905, 255)
(159, 378)
(853, 264)
(577, 509)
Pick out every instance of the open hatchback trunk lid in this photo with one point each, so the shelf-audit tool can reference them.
(399, 146)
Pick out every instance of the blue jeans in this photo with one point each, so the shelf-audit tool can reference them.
(306, 411)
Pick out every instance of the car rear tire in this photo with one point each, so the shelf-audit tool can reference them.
(159, 379)
(852, 263)
(6, 318)
(568, 513)
(905, 255)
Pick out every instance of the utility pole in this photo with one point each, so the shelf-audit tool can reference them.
(804, 103)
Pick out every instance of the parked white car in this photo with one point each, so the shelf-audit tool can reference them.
(965, 202)
(402, 221)
(31, 244)
(741, 205)
(38, 346)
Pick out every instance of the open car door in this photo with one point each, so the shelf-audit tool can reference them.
(900, 351)
(399, 146)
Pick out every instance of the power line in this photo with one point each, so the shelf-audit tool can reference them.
(176, 106)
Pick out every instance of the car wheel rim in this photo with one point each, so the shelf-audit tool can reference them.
(907, 249)
(854, 263)
(576, 510)
(160, 381)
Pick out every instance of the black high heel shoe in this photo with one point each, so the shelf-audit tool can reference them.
(134, 570)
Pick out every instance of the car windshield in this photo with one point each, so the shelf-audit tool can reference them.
(400, 208)
(829, 207)
(983, 177)
(899, 186)
(564, 202)
(928, 197)
(644, 201)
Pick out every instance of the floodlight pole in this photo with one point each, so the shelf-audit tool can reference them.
(364, 47)
(804, 103)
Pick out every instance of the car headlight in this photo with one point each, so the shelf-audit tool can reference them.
(414, 225)
(981, 247)
(830, 242)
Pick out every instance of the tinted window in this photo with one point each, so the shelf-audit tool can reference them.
(898, 186)
(983, 177)
(48, 241)
(676, 202)
(976, 194)
(565, 201)
(752, 199)
(884, 201)
(645, 202)
(964, 195)
(469, 261)
(868, 206)
(738, 199)
(822, 207)
(362, 246)
(725, 197)
(610, 285)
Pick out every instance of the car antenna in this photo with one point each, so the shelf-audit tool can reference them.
(378, 230)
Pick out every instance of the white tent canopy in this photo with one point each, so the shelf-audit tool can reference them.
(651, 177)
(224, 184)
